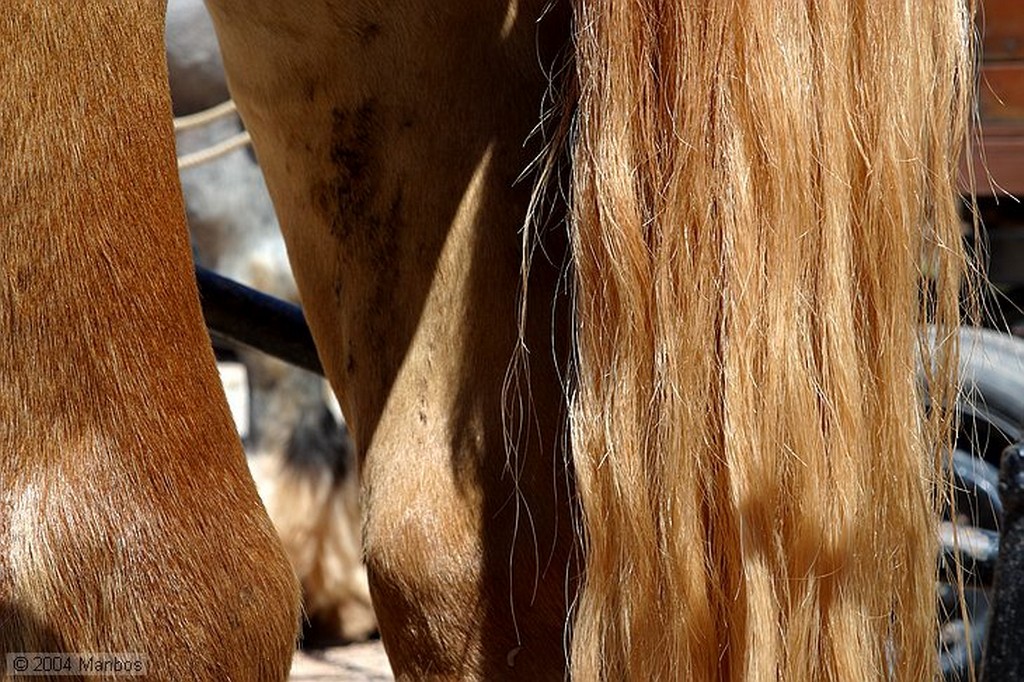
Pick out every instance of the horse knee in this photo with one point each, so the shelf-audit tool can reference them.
(169, 565)
(424, 570)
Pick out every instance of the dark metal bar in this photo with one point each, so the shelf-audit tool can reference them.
(1004, 655)
(244, 315)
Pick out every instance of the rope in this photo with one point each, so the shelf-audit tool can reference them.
(201, 118)
(215, 151)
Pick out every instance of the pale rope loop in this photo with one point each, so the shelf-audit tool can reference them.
(215, 151)
(205, 116)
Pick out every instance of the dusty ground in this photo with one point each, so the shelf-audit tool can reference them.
(352, 663)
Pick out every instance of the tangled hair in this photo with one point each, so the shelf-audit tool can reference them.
(764, 218)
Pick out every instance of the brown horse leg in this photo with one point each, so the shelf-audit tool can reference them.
(392, 135)
(128, 520)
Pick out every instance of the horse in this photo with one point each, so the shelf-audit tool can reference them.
(296, 445)
(623, 304)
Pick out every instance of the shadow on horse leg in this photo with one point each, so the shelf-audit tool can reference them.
(394, 169)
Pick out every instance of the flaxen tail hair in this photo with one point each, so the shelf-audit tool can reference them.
(764, 219)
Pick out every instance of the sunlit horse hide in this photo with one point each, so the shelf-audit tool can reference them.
(130, 522)
(684, 443)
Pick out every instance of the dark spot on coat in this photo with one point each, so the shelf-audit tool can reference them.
(363, 208)
(357, 208)
(347, 196)
(24, 278)
(309, 89)
(368, 32)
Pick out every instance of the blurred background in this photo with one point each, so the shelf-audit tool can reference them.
(295, 439)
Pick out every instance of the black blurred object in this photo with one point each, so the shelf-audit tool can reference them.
(1004, 655)
(244, 315)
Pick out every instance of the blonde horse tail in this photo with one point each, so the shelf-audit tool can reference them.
(764, 223)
